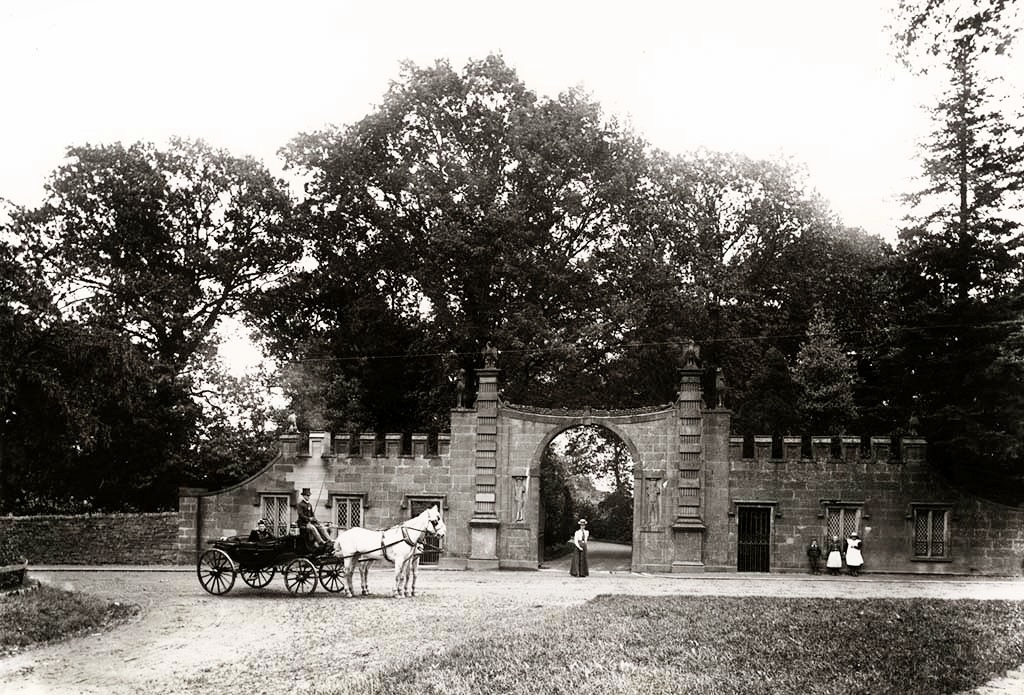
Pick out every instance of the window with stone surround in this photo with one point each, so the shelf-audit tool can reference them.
(931, 532)
(348, 511)
(842, 520)
(276, 509)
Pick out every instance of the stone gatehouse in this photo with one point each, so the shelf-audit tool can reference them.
(705, 501)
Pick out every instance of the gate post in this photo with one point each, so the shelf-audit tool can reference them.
(483, 527)
(688, 527)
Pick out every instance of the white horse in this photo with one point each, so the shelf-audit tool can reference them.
(407, 577)
(396, 545)
(411, 570)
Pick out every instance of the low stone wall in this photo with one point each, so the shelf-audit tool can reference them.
(96, 539)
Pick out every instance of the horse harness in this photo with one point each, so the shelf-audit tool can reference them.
(405, 539)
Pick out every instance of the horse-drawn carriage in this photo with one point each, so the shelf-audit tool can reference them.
(303, 564)
(257, 562)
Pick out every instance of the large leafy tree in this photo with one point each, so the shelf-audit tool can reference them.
(82, 420)
(142, 251)
(953, 359)
(771, 406)
(464, 210)
(735, 253)
(159, 244)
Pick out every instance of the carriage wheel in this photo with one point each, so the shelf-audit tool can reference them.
(216, 571)
(332, 576)
(300, 576)
(259, 578)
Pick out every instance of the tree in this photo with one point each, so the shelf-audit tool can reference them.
(556, 501)
(770, 407)
(159, 244)
(595, 452)
(962, 244)
(826, 375)
(468, 210)
(141, 252)
(961, 252)
(733, 252)
(233, 440)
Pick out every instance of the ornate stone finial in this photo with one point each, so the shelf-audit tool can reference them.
(293, 422)
(720, 387)
(691, 354)
(490, 356)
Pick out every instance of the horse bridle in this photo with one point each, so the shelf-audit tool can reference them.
(405, 537)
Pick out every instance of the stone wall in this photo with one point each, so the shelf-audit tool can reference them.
(383, 477)
(96, 539)
(692, 481)
(984, 537)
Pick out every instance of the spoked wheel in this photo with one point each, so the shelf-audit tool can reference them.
(300, 576)
(257, 579)
(332, 576)
(216, 571)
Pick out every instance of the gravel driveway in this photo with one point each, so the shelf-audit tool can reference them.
(264, 640)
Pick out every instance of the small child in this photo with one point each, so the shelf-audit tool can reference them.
(814, 555)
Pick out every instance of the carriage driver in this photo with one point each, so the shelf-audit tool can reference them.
(308, 523)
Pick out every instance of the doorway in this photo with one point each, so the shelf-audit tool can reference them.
(753, 539)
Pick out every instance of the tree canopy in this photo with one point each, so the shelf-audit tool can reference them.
(465, 210)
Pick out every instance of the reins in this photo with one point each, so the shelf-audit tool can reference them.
(384, 546)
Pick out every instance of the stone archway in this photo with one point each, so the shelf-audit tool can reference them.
(502, 445)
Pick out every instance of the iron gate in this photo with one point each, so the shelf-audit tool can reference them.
(755, 525)
(430, 540)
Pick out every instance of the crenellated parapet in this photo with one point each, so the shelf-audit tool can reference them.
(846, 448)
(365, 445)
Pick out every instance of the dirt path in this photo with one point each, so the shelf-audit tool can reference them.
(264, 640)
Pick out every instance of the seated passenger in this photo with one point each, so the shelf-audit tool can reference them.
(261, 532)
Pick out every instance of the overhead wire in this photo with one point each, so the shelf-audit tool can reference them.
(660, 343)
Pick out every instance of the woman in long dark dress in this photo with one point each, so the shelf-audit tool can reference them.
(579, 552)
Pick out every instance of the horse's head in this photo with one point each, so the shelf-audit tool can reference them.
(435, 524)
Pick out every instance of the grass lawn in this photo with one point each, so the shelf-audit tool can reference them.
(48, 614)
(627, 644)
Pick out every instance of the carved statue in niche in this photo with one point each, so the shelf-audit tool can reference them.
(490, 355)
(519, 494)
(653, 502)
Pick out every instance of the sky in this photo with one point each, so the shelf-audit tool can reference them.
(813, 81)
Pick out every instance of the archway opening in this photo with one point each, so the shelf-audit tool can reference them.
(587, 471)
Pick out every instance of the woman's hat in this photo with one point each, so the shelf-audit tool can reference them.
(853, 535)
(583, 522)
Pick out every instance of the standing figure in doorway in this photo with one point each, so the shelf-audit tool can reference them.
(579, 552)
(854, 558)
(835, 556)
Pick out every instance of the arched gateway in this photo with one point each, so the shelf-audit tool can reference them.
(667, 444)
(704, 500)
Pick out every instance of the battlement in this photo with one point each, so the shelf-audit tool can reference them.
(851, 449)
(365, 445)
